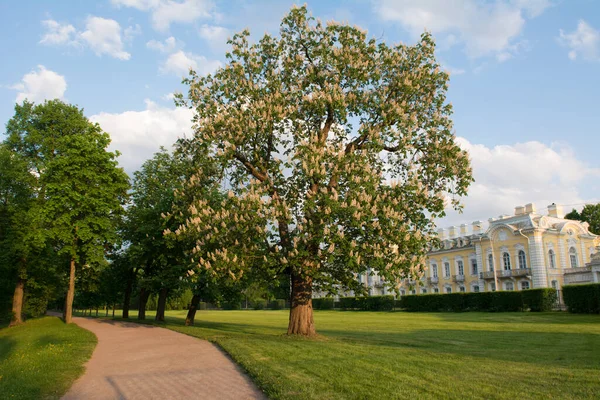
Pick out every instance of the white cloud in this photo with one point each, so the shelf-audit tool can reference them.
(166, 12)
(139, 134)
(57, 33)
(216, 36)
(168, 46)
(485, 28)
(584, 41)
(511, 175)
(132, 31)
(103, 36)
(179, 63)
(40, 85)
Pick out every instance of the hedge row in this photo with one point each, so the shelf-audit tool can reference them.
(324, 303)
(532, 299)
(371, 303)
(582, 298)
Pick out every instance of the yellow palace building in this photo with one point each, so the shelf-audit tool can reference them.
(512, 252)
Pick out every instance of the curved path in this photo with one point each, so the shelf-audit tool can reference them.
(135, 361)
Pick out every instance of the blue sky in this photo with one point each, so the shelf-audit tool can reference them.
(525, 76)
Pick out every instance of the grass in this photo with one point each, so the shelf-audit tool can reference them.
(42, 358)
(395, 355)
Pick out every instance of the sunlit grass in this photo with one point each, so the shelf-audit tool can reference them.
(42, 358)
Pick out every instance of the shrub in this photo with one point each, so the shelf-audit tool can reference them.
(485, 301)
(231, 305)
(539, 299)
(278, 304)
(582, 298)
(259, 304)
(324, 303)
(371, 303)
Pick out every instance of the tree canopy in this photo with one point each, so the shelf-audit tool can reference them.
(590, 214)
(338, 155)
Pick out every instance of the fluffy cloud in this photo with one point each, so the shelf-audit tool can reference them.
(166, 12)
(511, 175)
(216, 36)
(179, 63)
(139, 134)
(168, 46)
(58, 34)
(41, 85)
(485, 28)
(103, 36)
(584, 41)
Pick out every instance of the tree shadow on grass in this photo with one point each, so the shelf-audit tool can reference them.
(6, 347)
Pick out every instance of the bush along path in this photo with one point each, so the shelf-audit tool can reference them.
(136, 361)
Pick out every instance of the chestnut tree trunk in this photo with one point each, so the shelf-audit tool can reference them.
(144, 294)
(127, 297)
(68, 313)
(17, 305)
(162, 302)
(301, 312)
(191, 315)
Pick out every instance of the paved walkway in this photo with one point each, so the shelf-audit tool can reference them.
(134, 361)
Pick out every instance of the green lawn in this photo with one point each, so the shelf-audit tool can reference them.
(373, 355)
(42, 358)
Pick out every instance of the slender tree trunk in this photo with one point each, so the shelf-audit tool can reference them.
(106, 308)
(113, 310)
(301, 311)
(128, 290)
(162, 302)
(17, 305)
(191, 315)
(96, 311)
(144, 294)
(68, 313)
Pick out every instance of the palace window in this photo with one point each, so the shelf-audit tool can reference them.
(448, 290)
(461, 267)
(524, 285)
(434, 270)
(413, 291)
(474, 269)
(552, 258)
(424, 291)
(506, 260)
(402, 293)
(462, 289)
(522, 260)
(491, 261)
(493, 287)
(476, 288)
(436, 290)
(446, 269)
(573, 257)
(509, 286)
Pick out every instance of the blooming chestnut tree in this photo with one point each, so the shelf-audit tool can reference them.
(338, 155)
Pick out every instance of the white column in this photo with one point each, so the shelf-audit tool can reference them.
(584, 257)
(562, 253)
(480, 266)
(536, 256)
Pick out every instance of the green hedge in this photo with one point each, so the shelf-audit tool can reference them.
(582, 298)
(278, 304)
(539, 299)
(324, 303)
(533, 299)
(371, 303)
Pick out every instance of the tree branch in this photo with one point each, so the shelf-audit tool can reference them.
(261, 176)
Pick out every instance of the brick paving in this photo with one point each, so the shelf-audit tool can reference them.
(134, 361)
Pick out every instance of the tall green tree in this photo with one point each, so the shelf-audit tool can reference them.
(16, 202)
(338, 151)
(590, 214)
(80, 187)
(158, 264)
